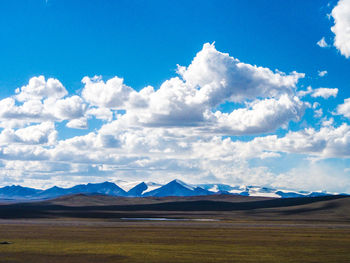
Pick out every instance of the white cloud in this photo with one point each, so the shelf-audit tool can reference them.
(322, 43)
(40, 101)
(100, 113)
(78, 123)
(262, 116)
(328, 142)
(38, 88)
(322, 73)
(67, 108)
(318, 113)
(221, 77)
(314, 177)
(341, 28)
(43, 133)
(141, 99)
(344, 109)
(327, 122)
(211, 79)
(324, 93)
(12, 115)
(173, 104)
(320, 92)
(112, 94)
(302, 93)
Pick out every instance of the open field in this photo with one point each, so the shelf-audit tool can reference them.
(170, 242)
(249, 230)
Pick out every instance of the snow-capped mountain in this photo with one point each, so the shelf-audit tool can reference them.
(137, 190)
(151, 186)
(221, 188)
(258, 191)
(177, 188)
(143, 189)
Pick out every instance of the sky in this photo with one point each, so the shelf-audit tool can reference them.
(237, 92)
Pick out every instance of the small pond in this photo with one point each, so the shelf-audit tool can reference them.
(167, 219)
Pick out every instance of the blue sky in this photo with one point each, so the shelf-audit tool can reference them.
(257, 134)
(144, 40)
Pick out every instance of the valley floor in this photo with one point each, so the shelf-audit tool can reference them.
(51, 241)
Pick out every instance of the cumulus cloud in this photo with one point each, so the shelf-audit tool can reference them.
(189, 100)
(324, 93)
(302, 93)
(43, 133)
(315, 177)
(67, 108)
(111, 94)
(173, 104)
(344, 109)
(100, 113)
(327, 142)
(320, 92)
(78, 123)
(221, 77)
(262, 116)
(341, 28)
(38, 88)
(212, 79)
(40, 101)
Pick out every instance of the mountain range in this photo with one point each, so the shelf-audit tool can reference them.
(143, 189)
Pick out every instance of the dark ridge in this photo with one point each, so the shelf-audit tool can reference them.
(47, 210)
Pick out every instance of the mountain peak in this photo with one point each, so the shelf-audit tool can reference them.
(177, 181)
(137, 190)
(14, 186)
(106, 183)
(177, 188)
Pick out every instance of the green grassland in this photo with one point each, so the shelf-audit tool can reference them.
(173, 242)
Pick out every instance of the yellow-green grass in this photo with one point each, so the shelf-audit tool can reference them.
(173, 243)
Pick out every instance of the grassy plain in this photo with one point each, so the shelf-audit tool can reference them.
(167, 242)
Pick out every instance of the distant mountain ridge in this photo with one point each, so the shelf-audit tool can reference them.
(173, 188)
(106, 188)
